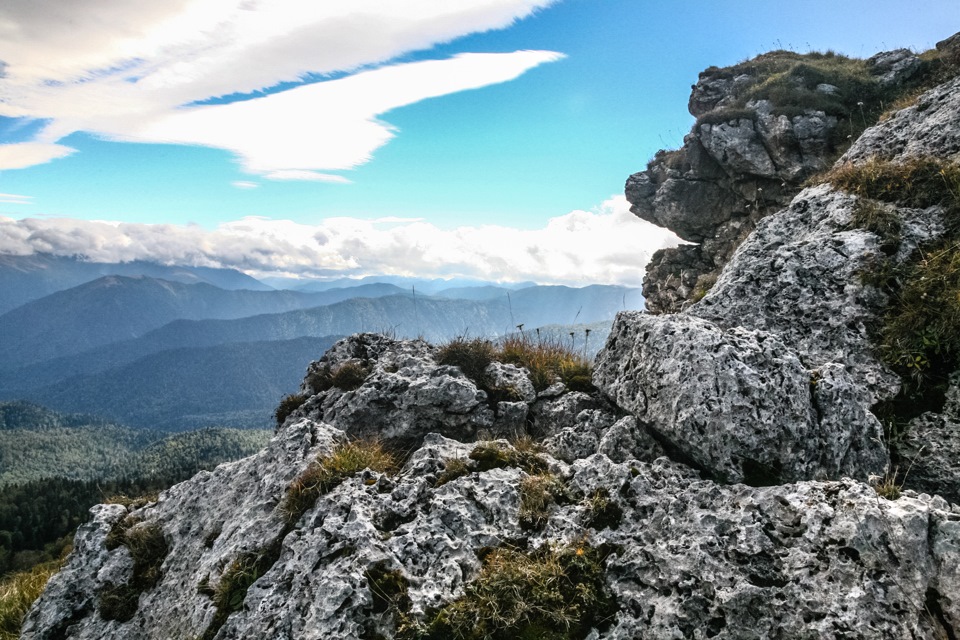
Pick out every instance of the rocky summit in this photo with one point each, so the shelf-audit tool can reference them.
(772, 455)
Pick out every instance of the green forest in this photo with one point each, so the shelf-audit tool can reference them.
(54, 467)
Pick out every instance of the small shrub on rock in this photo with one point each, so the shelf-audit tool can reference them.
(552, 592)
(288, 405)
(324, 474)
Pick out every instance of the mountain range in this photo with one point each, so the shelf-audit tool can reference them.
(198, 348)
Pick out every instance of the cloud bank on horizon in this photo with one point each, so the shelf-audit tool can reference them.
(142, 71)
(608, 245)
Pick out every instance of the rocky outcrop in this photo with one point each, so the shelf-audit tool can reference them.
(686, 556)
(717, 483)
(739, 403)
(750, 151)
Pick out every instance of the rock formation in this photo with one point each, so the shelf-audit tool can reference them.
(763, 128)
(717, 483)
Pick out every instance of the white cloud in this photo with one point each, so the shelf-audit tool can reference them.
(20, 155)
(129, 71)
(606, 245)
(314, 176)
(12, 198)
(244, 184)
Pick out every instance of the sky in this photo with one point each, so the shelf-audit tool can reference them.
(486, 139)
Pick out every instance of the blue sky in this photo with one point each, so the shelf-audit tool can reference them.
(395, 139)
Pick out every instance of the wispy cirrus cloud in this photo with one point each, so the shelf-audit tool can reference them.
(136, 71)
(13, 198)
(20, 155)
(606, 245)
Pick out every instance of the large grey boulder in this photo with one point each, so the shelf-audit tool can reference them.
(740, 404)
(798, 276)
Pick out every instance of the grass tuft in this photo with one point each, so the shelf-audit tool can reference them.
(18, 592)
(548, 361)
(538, 495)
(148, 548)
(471, 356)
(919, 181)
(552, 592)
(346, 377)
(325, 473)
(288, 405)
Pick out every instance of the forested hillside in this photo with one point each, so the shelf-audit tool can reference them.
(54, 467)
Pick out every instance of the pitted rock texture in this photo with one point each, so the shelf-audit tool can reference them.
(406, 394)
(928, 455)
(798, 276)
(929, 127)
(690, 556)
(739, 404)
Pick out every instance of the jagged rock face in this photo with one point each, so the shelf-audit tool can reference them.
(779, 383)
(737, 165)
(929, 452)
(740, 404)
(929, 127)
(689, 556)
(798, 276)
(406, 395)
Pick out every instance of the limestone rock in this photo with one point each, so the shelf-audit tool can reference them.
(895, 67)
(689, 556)
(797, 276)
(928, 454)
(740, 404)
(930, 127)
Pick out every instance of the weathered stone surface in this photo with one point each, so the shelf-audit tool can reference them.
(930, 127)
(739, 403)
(797, 276)
(809, 559)
(407, 395)
(895, 67)
(928, 454)
(207, 523)
(735, 167)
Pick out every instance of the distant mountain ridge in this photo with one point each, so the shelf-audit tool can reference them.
(27, 278)
(152, 352)
(116, 308)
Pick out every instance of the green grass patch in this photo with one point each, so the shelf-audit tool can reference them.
(324, 474)
(288, 405)
(148, 548)
(18, 592)
(919, 336)
(346, 377)
(552, 593)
